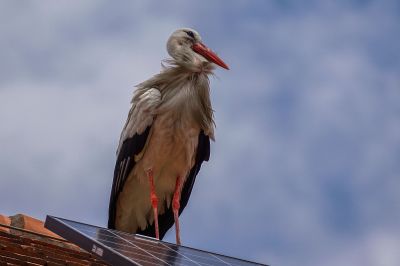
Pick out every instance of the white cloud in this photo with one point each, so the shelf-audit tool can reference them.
(304, 167)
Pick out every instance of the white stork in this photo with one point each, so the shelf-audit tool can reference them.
(165, 140)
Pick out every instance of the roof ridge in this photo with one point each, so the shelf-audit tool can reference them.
(33, 233)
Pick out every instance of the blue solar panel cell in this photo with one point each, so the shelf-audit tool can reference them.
(119, 248)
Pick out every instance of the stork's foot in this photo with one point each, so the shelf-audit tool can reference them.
(175, 207)
(154, 201)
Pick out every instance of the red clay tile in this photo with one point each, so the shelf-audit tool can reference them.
(31, 224)
(4, 220)
(22, 248)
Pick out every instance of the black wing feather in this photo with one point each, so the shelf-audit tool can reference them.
(166, 220)
(124, 165)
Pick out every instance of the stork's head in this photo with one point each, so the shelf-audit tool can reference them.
(185, 46)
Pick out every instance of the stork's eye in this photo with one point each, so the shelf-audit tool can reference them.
(190, 33)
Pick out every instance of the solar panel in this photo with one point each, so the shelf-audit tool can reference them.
(119, 248)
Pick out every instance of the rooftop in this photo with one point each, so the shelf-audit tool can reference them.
(25, 241)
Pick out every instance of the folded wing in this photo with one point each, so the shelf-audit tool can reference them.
(132, 141)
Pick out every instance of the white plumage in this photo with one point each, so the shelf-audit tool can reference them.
(141, 114)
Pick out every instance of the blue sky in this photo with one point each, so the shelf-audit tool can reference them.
(305, 168)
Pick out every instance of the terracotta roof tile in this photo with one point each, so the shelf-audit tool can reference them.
(31, 224)
(24, 248)
(5, 220)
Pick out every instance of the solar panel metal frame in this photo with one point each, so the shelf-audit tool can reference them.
(61, 227)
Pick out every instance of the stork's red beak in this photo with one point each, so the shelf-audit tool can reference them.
(206, 52)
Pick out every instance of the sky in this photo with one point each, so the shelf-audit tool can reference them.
(305, 167)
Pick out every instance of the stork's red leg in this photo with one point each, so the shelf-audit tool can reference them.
(176, 204)
(154, 201)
